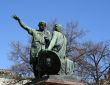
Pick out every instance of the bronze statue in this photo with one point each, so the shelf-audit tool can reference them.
(48, 54)
(40, 41)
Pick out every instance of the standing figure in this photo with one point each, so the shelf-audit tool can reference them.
(40, 41)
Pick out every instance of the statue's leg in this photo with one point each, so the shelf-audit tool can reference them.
(34, 60)
(35, 71)
(69, 66)
(63, 66)
(32, 55)
(38, 73)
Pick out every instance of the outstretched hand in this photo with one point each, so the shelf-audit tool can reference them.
(16, 17)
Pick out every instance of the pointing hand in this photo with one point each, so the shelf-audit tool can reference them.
(16, 17)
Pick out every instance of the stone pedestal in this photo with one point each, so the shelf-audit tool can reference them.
(57, 80)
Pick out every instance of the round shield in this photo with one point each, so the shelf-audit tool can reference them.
(49, 62)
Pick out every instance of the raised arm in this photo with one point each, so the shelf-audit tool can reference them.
(21, 23)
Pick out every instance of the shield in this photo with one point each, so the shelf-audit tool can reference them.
(49, 62)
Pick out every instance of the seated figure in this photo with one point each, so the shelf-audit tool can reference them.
(58, 45)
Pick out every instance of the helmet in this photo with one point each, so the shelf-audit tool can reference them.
(42, 23)
(58, 27)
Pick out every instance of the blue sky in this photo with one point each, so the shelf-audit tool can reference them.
(92, 15)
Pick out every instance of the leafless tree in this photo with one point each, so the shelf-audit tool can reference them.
(74, 35)
(20, 55)
(96, 61)
(92, 59)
